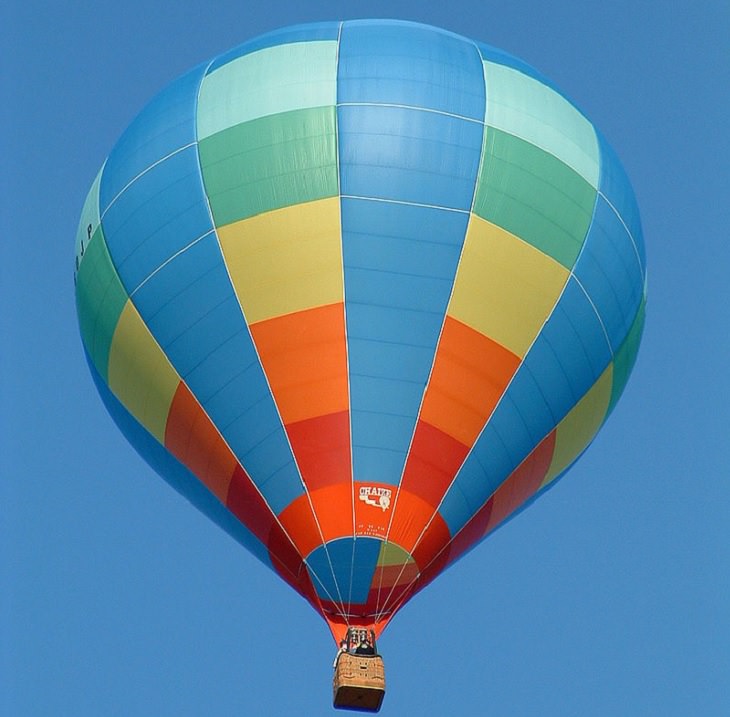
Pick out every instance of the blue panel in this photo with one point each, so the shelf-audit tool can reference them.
(576, 336)
(176, 474)
(609, 270)
(182, 294)
(616, 187)
(408, 155)
(455, 510)
(377, 464)
(382, 430)
(321, 566)
(387, 62)
(163, 211)
(367, 551)
(192, 311)
(332, 572)
(283, 487)
(400, 262)
(385, 395)
(165, 125)
(297, 33)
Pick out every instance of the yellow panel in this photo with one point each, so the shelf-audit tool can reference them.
(577, 429)
(505, 288)
(286, 260)
(140, 375)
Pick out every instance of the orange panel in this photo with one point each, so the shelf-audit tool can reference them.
(304, 356)
(321, 447)
(470, 374)
(298, 521)
(411, 516)
(432, 463)
(333, 507)
(194, 441)
(371, 518)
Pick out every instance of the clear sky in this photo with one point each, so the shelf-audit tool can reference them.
(608, 597)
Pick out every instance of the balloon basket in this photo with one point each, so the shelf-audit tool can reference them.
(359, 682)
(359, 679)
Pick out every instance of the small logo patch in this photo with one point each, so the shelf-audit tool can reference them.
(379, 497)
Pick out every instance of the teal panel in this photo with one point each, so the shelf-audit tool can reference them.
(100, 299)
(533, 195)
(270, 163)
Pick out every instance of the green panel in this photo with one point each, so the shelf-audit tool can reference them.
(269, 163)
(625, 357)
(271, 81)
(528, 109)
(100, 299)
(533, 195)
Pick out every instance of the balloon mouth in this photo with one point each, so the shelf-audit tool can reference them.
(369, 597)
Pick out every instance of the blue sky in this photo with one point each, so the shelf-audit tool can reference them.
(609, 596)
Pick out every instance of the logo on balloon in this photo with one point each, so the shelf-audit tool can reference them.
(379, 497)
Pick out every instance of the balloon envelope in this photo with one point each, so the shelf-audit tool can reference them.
(360, 291)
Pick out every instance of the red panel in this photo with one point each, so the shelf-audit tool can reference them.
(322, 449)
(432, 463)
(246, 503)
(389, 575)
(195, 442)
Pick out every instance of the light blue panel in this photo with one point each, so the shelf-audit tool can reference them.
(396, 325)
(296, 33)
(408, 155)
(616, 187)
(246, 382)
(176, 474)
(498, 452)
(269, 462)
(388, 360)
(455, 510)
(284, 486)
(538, 393)
(400, 262)
(385, 395)
(343, 571)
(382, 430)
(380, 465)
(367, 551)
(190, 349)
(330, 568)
(609, 270)
(391, 62)
(183, 293)
(577, 338)
(163, 211)
(165, 125)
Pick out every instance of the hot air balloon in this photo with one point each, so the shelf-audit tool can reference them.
(360, 291)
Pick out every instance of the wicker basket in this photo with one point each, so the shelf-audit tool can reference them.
(359, 682)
